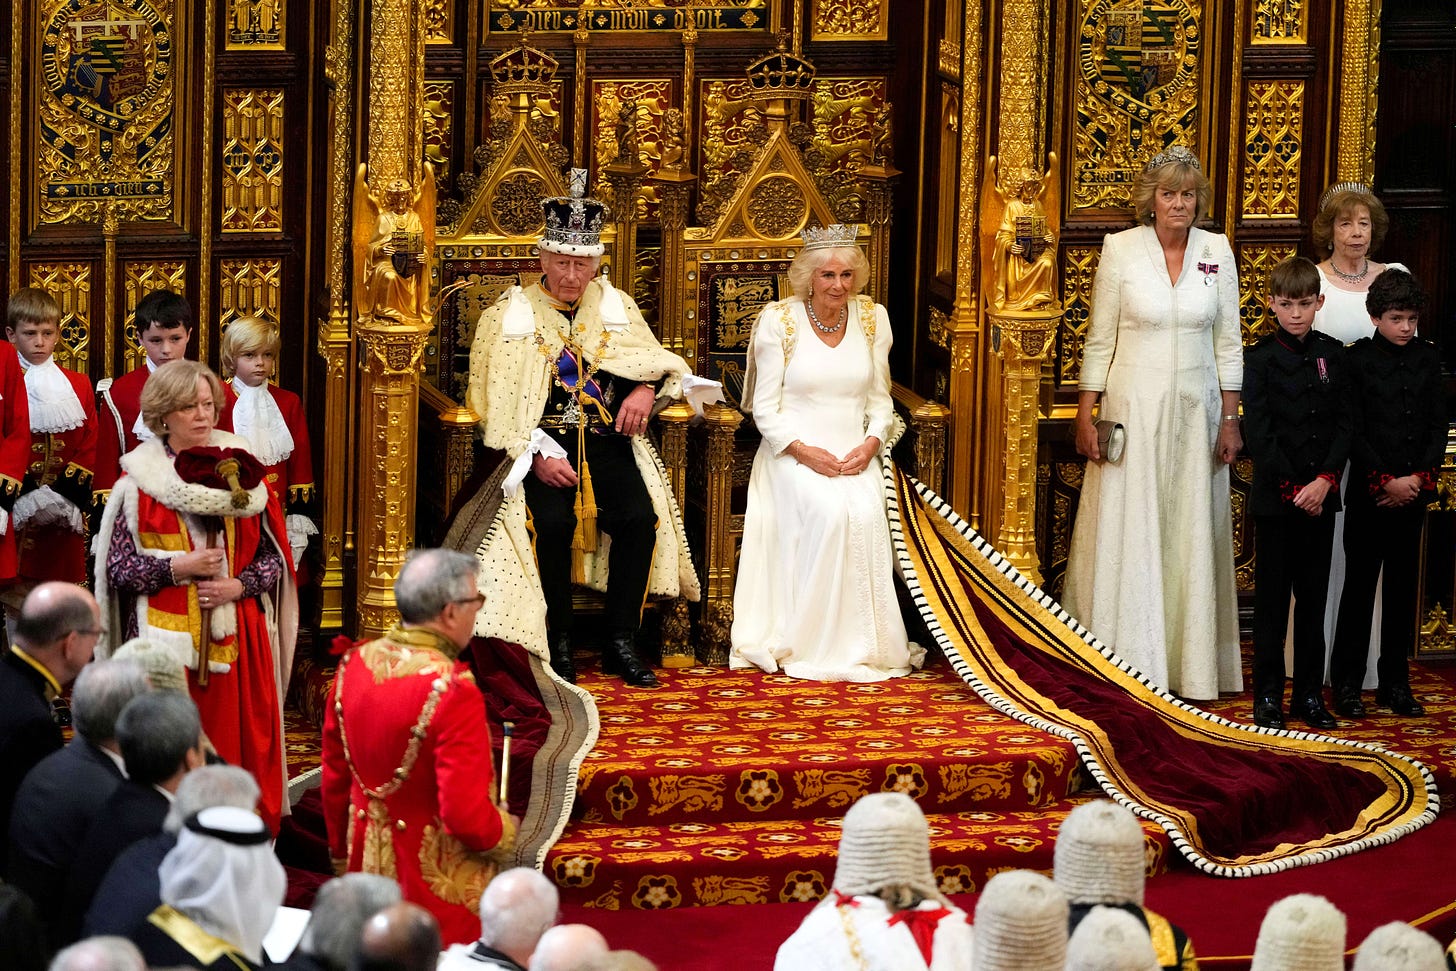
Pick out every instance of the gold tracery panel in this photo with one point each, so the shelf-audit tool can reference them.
(249, 288)
(252, 160)
(70, 284)
(1255, 262)
(1273, 149)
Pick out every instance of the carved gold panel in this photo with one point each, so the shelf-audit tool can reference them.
(646, 284)
(249, 288)
(850, 20)
(1079, 267)
(506, 16)
(439, 22)
(1137, 87)
(1255, 262)
(847, 113)
(439, 126)
(645, 100)
(141, 277)
(70, 284)
(733, 128)
(254, 25)
(106, 80)
(948, 177)
(252, 160)
(1280, 22)
(939, 328)
(1273, 143)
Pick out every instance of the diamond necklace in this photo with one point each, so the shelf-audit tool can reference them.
(814, 318)
(1351, 277)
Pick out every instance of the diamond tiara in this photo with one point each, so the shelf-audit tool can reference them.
(1340, 187)
(828, 237)
(1173, 153)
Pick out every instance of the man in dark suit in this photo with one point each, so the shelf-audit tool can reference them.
(160, 735)
(62, 794)
(54, 639)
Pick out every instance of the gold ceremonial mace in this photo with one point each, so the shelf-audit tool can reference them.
(204, 645)
(505, 773)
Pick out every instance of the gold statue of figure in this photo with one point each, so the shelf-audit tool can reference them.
(673, 132)
(394, 234)
(1021, 272)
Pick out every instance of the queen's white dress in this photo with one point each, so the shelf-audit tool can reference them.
(815, 596)
(1151, 569)
(1344, 318)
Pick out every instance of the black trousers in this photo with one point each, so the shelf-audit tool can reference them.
(1375, 538)
(1292, 556)
(624, 512)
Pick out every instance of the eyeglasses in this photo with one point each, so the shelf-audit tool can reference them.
(478, 600)
(88, 631)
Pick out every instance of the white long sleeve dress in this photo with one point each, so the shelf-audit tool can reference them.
(815, 595)
(1151, 568)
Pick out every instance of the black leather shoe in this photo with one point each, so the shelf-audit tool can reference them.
(1311, 710)
(1348, 703)
(620, 657)
(1401, 701)
(561, 660)
(1267, 713)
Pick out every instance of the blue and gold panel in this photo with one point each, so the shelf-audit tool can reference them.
(730, 298)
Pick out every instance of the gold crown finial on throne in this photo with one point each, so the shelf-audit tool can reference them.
(781, 74)
(523, 70)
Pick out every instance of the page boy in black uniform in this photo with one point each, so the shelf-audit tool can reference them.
(1399, 438)
(1297, 428)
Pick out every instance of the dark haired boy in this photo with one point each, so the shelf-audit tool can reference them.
(1297, 428)
(164, 326)
(49, 518)
(1398, 440)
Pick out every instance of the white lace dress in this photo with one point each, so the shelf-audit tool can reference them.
(1344, 317)
(815, 595)
(1151, 567)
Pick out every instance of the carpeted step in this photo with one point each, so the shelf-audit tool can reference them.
(781, 860)
(718, 746)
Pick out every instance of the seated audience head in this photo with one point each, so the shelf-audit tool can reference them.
(1303, 931)
(164, 670)
(628, 961)
(1021, 924)
(58, 628)
(1399, 947)
(223, 876)
(22, 935)
(33, 324)
(339, 911)
(100, 954)
(401, 937)
(103, 689)
(884, 851)
(1099, 855)
(436, 589)
(163, 324)
(160, 736)
(1108, 939)
(177, 386)
(570, 947)
(208, 786)
(516, 908)
(248, 349)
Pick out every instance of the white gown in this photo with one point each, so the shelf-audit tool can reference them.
(815, 596)
(1344, 318)
(1151, 567)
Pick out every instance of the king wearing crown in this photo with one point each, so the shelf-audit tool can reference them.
(565, 374)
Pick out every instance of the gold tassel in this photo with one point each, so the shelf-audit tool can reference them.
(584, 539)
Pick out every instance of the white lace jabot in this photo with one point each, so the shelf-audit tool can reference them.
(256, 417)
(54, 406)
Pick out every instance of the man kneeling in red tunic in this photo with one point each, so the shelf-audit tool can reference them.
(408, 785)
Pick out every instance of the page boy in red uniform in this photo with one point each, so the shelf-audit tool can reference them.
(272, 421)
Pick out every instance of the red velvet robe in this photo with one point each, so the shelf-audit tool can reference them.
(14, 451)
(437, 831)
(54, 552)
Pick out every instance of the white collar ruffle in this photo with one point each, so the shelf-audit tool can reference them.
(54, 406)
(257, 418)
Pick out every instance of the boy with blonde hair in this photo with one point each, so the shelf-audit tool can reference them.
(272, 420)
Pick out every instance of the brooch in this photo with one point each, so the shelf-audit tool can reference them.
(1208, 268)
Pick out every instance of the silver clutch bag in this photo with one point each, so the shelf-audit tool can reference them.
(1111, 437)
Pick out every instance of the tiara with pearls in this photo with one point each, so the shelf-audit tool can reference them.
(1339, 187)
(1173, 153)
(828, 237)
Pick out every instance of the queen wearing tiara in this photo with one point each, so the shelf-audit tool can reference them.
(1151, 569)
(816, 595)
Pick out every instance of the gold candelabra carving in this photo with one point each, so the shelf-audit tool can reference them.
(677, 647)
(719, 558)
(1025, 338)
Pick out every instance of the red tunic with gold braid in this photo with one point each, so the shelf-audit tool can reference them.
(63, 461)
(408, 784)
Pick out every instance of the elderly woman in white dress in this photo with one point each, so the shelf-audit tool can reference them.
(1151, 569)
(815, 595)
(1351, 225)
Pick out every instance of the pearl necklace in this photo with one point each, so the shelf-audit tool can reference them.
(1351, 277)
(814, 318)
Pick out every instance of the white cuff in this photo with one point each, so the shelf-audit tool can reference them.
(700, 392)
(46, 507)
(541, 443)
